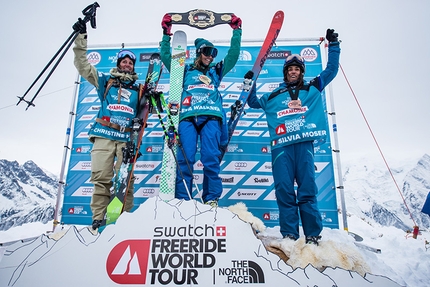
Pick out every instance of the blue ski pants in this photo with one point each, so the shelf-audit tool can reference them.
(210, 134)
(289, 163)
(103, 163)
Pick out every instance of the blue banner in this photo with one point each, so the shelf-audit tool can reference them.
(246, 168)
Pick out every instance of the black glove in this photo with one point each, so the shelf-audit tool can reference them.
(80, 26)
(249, 75)
(331, 36)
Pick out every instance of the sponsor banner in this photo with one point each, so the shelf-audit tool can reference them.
(246, 167)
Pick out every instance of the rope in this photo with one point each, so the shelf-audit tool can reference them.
(41, 96)
(376, 142)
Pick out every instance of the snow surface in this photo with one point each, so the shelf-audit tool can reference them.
(403, 259)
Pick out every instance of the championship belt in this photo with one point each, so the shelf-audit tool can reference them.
(200, 18)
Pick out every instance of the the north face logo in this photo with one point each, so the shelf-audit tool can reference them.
(280, 130)
(187, 102)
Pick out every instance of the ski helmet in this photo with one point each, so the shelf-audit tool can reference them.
(294, 60)
(126, 54)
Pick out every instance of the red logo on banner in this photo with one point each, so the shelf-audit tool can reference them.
(127, 262)
(221, 231)
(149, 149)
(187, 102)
(266, 216)
(280, 130)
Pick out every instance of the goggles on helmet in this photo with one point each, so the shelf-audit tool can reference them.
(295, 60)
(127, 53)
(208, 51)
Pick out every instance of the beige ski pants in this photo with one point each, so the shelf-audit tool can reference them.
(103, 164)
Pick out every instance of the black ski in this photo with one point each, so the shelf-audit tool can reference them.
(131, 151)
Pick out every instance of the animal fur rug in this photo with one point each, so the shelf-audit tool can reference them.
(298, 254)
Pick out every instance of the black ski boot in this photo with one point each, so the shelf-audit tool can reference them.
(96, 224)
(289, 236)
(313, 239)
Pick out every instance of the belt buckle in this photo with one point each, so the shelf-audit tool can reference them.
(122, 129)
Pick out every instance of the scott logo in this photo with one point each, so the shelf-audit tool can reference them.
(127, 262)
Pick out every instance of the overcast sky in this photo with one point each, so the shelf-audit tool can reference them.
(385, 55)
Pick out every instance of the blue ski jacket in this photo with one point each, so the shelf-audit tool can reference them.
(293, 125)
(200, 94)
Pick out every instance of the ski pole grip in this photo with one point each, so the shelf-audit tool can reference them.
(90, 14)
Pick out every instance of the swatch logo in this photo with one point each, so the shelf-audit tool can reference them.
(127, 262)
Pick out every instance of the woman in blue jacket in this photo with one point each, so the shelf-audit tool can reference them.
(201, 110)
(296, 118)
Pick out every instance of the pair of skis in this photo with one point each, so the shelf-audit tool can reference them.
(123, 177)
(177, 69)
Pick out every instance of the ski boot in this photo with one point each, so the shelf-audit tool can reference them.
(313, 239)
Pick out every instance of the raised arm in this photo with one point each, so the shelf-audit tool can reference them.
(332, 68)
(233, 53)
(165, 53)
(85, 69)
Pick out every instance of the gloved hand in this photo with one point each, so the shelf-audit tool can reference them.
(80, 26)
(166, 24)
(235, 23)
(331, 36)
(249, 75)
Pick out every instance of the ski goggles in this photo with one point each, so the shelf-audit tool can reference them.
(208, 51)
(127, 53)
(294, 58)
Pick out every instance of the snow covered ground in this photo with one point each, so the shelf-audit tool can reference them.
(402, 258)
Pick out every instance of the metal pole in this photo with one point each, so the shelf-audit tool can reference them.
(335, 149)
(65, 153)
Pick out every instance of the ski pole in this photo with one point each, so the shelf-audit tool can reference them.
(90, 14)
(30, 103)
(178, 140)
(45, 68)
(170, 142)
(171, 136)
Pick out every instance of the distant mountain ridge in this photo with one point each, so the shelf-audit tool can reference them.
(28, 194)
(371, 193)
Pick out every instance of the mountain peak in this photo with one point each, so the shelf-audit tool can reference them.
(28, 194)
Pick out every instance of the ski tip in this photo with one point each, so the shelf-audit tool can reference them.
(179, 33)
(279, 15)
